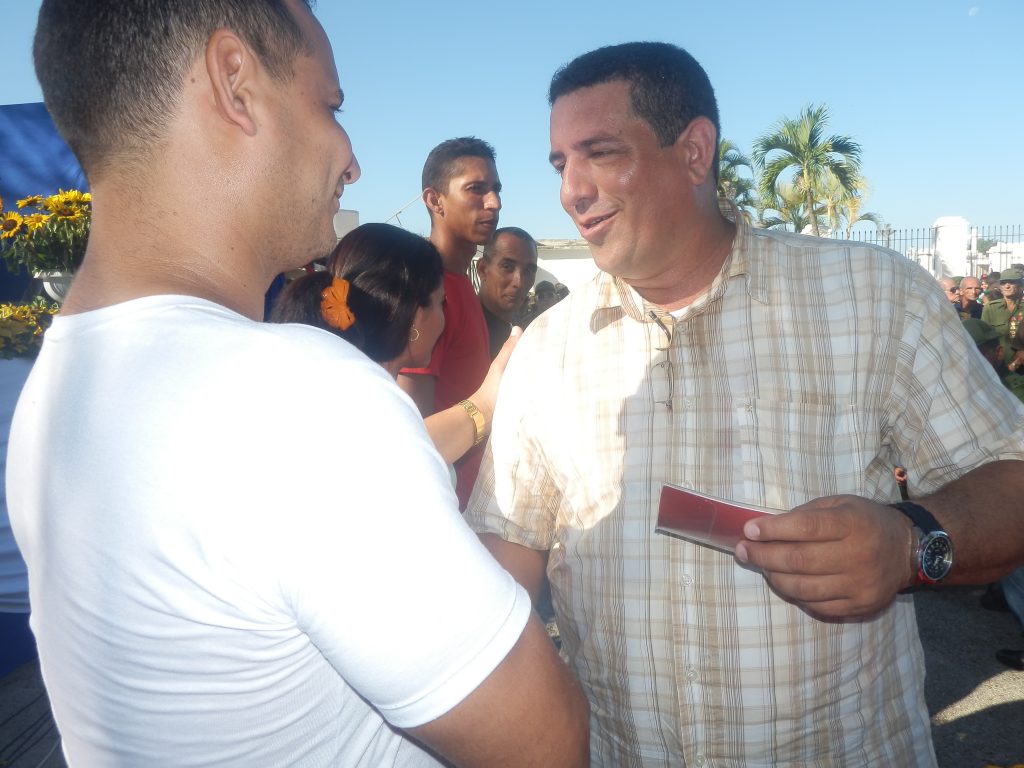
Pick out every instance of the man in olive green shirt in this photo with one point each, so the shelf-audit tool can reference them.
(987, 339)
(1005, 314)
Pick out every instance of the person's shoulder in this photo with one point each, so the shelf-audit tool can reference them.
(554, 326)
(271, 353)
(820, 258)
(305, 347)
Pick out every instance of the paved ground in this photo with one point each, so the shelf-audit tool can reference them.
(977, 704)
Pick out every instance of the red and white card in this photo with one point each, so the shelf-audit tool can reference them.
(704, 519)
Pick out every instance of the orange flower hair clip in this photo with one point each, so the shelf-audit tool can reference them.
(334, 305)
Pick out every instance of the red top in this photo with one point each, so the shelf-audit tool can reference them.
(459, 363)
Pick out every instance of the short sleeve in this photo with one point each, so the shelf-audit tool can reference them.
(949, 411)
(515, 495)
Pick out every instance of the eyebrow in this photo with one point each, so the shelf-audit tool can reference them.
(589, 143)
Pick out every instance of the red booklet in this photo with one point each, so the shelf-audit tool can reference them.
(704, 519)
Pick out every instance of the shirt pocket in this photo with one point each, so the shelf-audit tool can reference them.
(793, 452)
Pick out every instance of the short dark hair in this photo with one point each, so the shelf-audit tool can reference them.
(391, 273)
(516, 232)
(668, 88)
(109, 70)
(544, 285)
(443, 161)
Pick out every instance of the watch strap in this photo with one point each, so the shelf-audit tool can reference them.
(920, 516)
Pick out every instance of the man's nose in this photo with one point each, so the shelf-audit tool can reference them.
(353, 172)
(577, 191)
(492, 201)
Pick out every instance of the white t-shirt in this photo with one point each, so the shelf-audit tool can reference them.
(242, 545)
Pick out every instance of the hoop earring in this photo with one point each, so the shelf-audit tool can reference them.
(414, 334)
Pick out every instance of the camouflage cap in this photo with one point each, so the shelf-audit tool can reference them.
(979, 331)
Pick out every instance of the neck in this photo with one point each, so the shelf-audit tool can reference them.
(695, 267)
(508, 317)
(456, 254)
(152, 243)
(393, 366)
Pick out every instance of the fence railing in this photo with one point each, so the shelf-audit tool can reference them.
(955, 249)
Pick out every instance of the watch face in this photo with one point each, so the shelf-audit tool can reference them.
(936, 556)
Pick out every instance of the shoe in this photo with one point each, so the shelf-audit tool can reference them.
(1012, 658)
(994, 600)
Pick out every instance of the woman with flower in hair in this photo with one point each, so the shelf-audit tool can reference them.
(383, 292)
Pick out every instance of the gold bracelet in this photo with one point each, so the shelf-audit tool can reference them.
(479, 424)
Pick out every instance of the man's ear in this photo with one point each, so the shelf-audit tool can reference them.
(481, 268)
(231, 67)
(432, 199)
(697, 147)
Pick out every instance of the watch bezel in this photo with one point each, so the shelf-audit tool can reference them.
(933, 566)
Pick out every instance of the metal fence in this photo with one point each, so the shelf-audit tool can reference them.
(955, 249)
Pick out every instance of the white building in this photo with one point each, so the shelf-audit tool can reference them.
(564, 261)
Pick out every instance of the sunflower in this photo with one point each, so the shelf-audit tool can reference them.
(10, 224)
(22, 327)
(75, 197)
(30, 200)
(49, 233)
(57, 205)
(35, 221)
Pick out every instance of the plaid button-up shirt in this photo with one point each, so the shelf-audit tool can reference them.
(809, 368)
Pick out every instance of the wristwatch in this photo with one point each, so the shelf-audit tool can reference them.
(934, 556)
(479, 423)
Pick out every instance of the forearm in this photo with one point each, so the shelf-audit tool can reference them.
(983, 513)
(452, 431)
(843, 557)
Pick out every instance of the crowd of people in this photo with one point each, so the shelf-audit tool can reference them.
(213, 586)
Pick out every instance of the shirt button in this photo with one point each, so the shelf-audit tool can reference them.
(688, 402)
(700, 761)
(687, 581)
(691, 674)
(688, 485)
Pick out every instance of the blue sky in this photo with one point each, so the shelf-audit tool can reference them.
(933, 90)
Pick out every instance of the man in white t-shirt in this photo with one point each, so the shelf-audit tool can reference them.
(223, 569)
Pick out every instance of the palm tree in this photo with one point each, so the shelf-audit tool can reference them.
(789, 204)
(842, 206)
(801, 145)
(740, 189)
